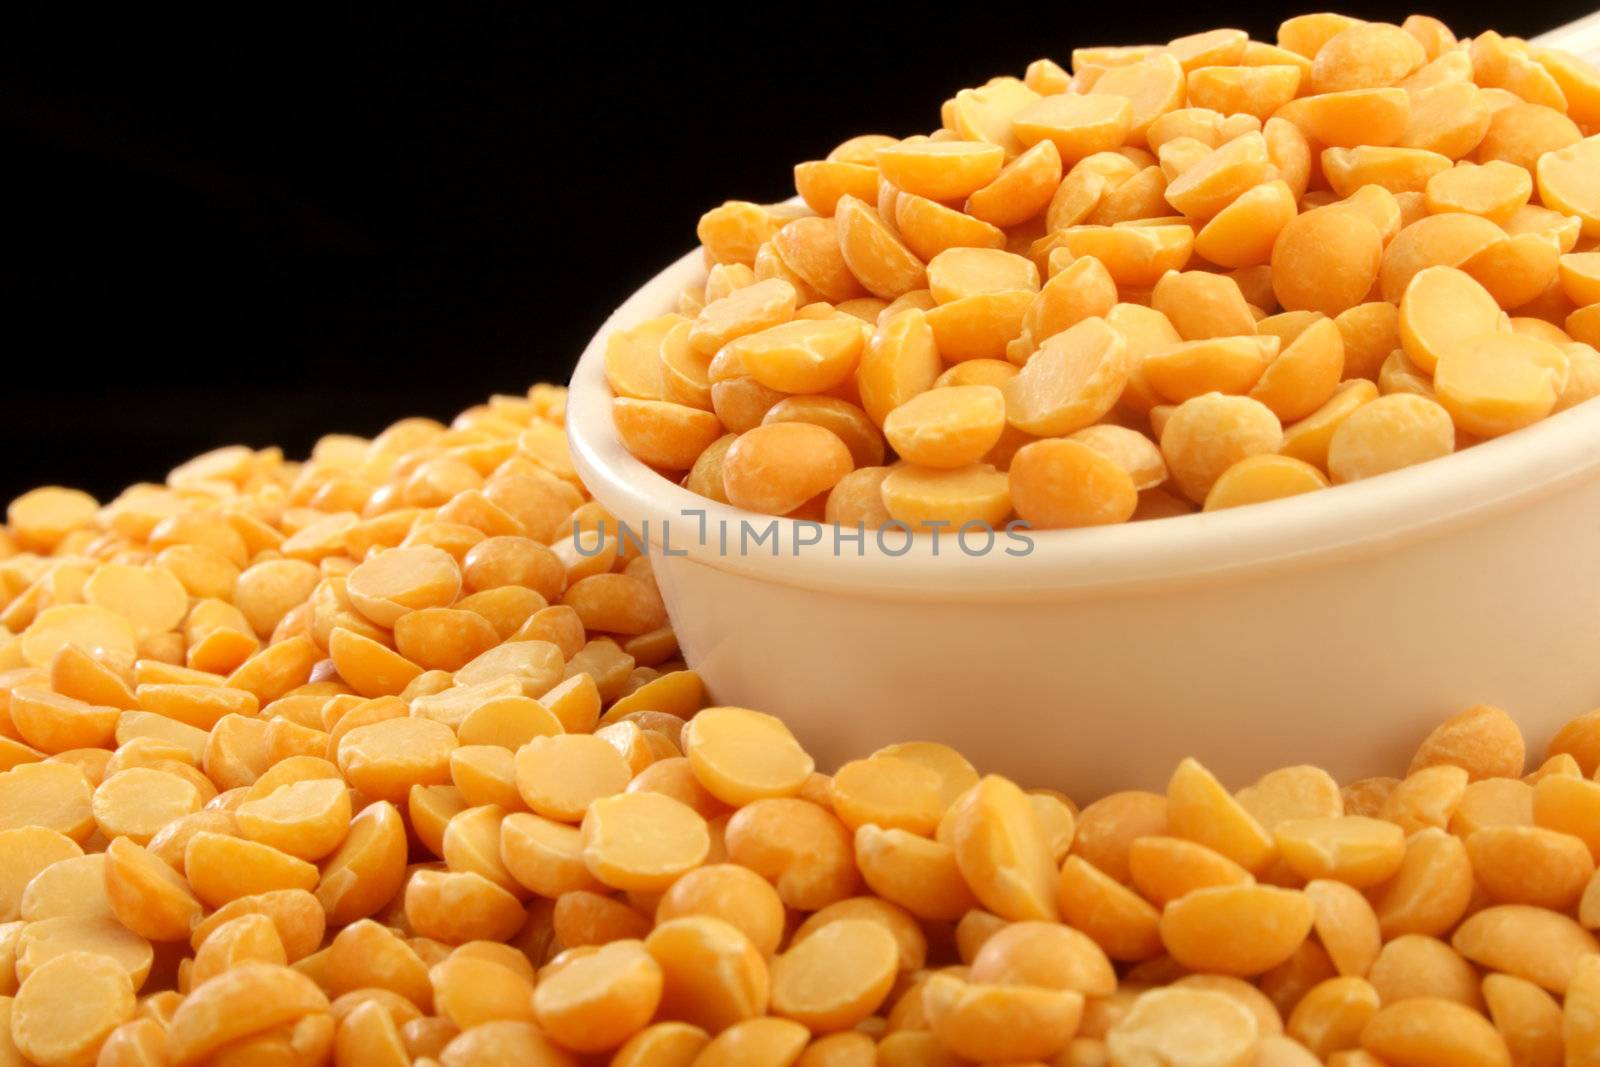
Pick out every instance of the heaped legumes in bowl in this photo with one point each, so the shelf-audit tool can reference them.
(1195, 275)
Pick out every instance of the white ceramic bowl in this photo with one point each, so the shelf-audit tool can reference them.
(1581, 36)
(1334, 628)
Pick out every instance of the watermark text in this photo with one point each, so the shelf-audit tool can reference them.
(765, 536)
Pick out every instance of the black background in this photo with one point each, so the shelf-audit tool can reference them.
(262, 226)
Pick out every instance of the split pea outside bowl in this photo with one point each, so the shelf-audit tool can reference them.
(1336, 627)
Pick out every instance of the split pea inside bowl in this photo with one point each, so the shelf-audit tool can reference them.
(1356, 615)
(1344, 622)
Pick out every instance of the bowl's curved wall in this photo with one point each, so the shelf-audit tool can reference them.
(1336, 627)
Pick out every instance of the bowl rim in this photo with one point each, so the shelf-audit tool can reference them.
(1348, 522)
